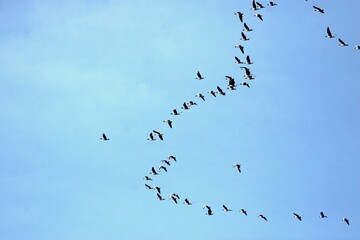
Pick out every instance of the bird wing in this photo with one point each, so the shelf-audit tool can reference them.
(158, 133)
(260, 5)
(341, 41)
(248, 59)
(243, 35)
(328, 31)
(237, 60)
(254, 4)
(246, 26)
(316, 8)
(199, 75)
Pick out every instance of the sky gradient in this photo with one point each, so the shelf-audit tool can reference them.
(72, 70)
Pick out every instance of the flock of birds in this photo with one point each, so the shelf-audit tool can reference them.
(156, 135)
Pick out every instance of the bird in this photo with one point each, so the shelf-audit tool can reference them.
(160, 135)
(329, 34)
(263, 217)
(243, 211)
(104, 137)
(187, 202)
(226, 209)
(209, 211)
(240, 47)
(220, 91)
(322, 215)
(199, 95)
(254, 6)
(171, 157)
(259, 16)
(244, 38)
(175, 112)
(297, 216)
(160, 197)
(342, 43)
(153, 171)
(246, 28)
(147, 178)
(191, 103)
(260, 5)
(238, 61)
(272, 4)
(248, 61)
(240, 14)
(185, 106)
(173, 198)
(175, 195)
(199, 77)
(212, 93)
(151, 137)
(162, 167)
(148, 187)
(346, 221)
(357, 47)
(169, 122)
(247, 72)
(231, 84)
(317, 9)
(237, 165)
(166, 161)
(245, 84)
(157, 189)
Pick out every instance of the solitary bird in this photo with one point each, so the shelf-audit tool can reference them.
(104, 137)
(329, 34)
(212, 93)
(245, 84)
(209, 211)
(342, 43)
(157, 189)
(246, 28)
(151, 137)
(191, 103)
(231, 84)
(322, 215)
(185, 106)
(263, 217)
(260, 5)
(238, 61)
(243, 37)
(166, 161)
(317, 9)
(169, 122)
(199, 77)
(240, 15)
(259, 16)
(346, 220)
(243, 212)
(153, 171)
(297, 216)
(248, 61)
(171, 157)
(199, 95)
(272, 4)
(160, 135)
(160, 197)
(254, 6)
(237, 165)
(187, 202)
(226, 209)
(147, 178)
(220, 91)
(175, 112)
(240, 47)
(162, 167)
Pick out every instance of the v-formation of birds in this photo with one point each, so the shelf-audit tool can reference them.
(157, 135)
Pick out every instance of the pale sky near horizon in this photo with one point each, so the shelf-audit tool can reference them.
(72, 70)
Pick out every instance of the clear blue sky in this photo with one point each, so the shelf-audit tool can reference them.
(71, 70)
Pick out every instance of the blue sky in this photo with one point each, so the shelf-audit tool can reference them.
(71, 70)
